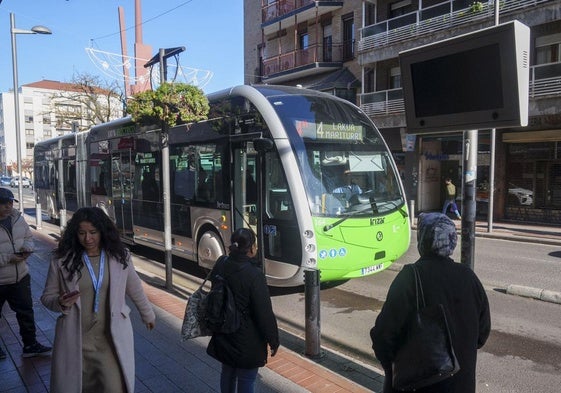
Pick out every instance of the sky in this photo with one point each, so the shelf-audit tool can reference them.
(210, 30)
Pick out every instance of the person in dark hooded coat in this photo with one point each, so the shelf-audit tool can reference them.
(451, 284)
(244, 351)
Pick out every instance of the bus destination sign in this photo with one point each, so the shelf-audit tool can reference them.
(331, 131)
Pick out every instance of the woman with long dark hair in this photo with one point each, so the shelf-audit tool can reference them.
(244, 351)
(89, 276)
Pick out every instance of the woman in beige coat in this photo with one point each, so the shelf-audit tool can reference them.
(88, 278)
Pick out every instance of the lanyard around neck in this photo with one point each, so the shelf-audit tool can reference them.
(96, 281)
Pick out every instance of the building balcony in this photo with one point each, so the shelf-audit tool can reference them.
(545, 82)
(438, 18)
(282, 14)
(301, 63)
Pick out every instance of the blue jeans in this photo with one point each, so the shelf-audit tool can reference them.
(245, 378)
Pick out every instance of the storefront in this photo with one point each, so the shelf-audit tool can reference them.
(533, 177)
(527, 174)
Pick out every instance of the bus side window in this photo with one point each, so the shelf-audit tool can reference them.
(279, 204)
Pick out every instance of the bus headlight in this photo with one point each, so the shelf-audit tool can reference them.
(308, 234)
(311, 248)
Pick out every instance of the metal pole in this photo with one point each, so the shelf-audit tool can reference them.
(166, 187)
(490, 204)
(13, 32)
(312, 314)
(468, 200)
(16, 109)
(38, 216)
(60, 190)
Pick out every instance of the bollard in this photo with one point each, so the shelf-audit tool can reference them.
(62, 219)
(412, 212)
(312, 306)
(38, 216)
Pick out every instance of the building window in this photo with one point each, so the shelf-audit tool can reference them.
(348, 37)
(346, 94)
(369, 80)
(548, 49)
(395, 78)
(400, 8)
(370, 14)
(303, 40)
(327, 43)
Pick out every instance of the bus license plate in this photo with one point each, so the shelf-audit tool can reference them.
(371, 269)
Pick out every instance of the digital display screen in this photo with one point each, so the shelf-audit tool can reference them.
(467, 81)
(331, 131)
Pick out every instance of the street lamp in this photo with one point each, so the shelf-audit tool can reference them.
(14, 31)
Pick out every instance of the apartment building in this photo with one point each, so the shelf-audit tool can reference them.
(48, 109)
(350, 48)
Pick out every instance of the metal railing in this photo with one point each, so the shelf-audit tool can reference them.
(276, 9)
(429, 20)
(301, 57)
(545, 80)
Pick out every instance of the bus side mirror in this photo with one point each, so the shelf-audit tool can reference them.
(263, 145)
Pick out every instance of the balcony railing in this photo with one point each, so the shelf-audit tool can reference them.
(276, 9)
(545, 80)
(301, 57)
(429, 20)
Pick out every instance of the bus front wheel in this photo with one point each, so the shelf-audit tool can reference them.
(209, 248)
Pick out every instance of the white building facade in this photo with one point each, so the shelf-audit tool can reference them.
(47, 109)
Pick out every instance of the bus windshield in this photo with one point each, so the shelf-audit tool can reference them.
(345, 165)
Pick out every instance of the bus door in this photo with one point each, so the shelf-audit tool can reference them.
(122, 176)
(245, 186)
(279, 227)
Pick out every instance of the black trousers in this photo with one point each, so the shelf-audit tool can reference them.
(19, 299)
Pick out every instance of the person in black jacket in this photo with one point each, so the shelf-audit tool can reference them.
(451, 284)
(244, 351)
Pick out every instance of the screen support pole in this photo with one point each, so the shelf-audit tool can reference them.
(468, 197)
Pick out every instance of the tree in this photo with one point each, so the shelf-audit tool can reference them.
(87, 100)
(171, 103)
(168, 105)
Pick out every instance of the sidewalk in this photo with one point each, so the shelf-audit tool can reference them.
(163, 362)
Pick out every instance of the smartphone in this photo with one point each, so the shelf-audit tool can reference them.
(23, 253)
(70, 294)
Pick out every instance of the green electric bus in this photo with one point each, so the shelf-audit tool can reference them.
(307, 171)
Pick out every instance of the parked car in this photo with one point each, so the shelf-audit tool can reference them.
(25, 182)
(520, 196)
(5, 181)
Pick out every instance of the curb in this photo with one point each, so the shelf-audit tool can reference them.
(534, 293)
(512, 289)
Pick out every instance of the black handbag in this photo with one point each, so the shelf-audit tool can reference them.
(427, 356)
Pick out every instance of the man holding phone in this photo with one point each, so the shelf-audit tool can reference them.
(16, 244)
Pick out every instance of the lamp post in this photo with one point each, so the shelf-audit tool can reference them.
(14, 31)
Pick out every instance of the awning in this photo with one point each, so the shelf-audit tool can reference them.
(340, 79)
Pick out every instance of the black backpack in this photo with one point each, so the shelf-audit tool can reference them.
(222, 315)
